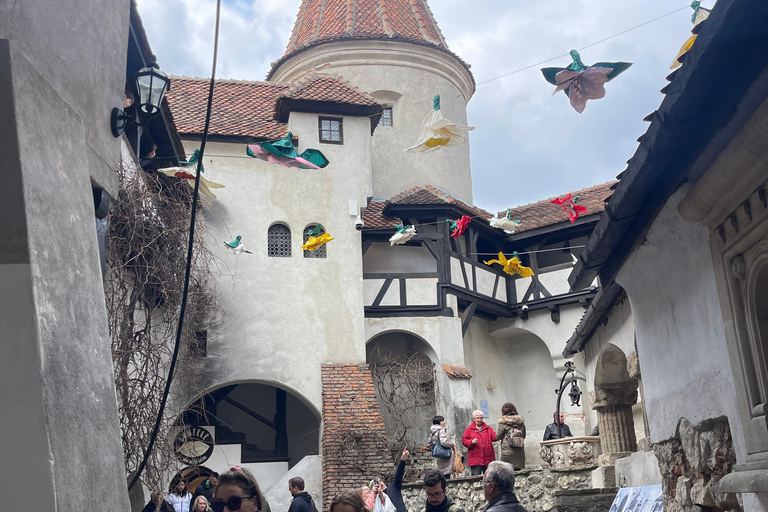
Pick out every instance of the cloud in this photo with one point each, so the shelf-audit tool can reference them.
(525, 136)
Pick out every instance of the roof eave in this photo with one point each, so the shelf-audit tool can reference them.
(284, 107)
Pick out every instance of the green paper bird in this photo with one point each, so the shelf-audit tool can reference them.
(193, 160)
(237, 246)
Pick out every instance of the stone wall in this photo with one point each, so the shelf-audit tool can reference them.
(534, 487)
(355, 445)
(693, 462)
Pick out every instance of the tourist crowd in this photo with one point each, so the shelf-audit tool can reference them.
(237, 489)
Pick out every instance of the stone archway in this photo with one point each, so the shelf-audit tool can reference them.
(403, 370)
(257, 425)
(615, 394)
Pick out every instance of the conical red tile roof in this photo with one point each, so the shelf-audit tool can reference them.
(323, 20)
(320, 21)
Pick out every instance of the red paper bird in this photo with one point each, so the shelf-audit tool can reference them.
(459, 226)
(570, 206)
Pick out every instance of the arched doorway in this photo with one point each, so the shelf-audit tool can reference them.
(403, 370)
(255, 425)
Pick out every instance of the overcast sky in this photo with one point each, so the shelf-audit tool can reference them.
(528, 144)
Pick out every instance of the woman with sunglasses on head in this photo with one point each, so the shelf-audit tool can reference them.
(349, 501)
(237, 490)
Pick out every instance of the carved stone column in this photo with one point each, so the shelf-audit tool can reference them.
(614, 416)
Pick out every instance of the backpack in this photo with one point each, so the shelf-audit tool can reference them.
(515, 437)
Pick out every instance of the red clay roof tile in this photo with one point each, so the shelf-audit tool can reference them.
(544, 213)
(321, 21)
(247, 108)
(457, 372)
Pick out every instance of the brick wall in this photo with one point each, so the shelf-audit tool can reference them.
(355, 447)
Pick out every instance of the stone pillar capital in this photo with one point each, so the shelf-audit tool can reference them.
(611, 397)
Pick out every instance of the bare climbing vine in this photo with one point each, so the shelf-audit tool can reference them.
(143, 283)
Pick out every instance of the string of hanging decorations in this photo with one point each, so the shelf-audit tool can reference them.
(699, 15)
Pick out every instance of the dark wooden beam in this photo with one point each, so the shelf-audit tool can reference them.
(281, 423)
(249, 412)
(403, 298)
(366, 245)
(382, 292)
(399, 275)
(466, 317)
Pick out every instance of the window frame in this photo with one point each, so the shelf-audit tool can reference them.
(321, 252)
(269, 241)
(391, 117)
(322, 140)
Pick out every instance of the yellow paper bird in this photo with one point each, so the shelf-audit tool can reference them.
(315, 242)
(437, 131)
(511, 266)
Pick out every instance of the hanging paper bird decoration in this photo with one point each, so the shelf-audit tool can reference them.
(581, 83)
(505, 222)
(237, 246)
(316, 239)
(699, 14)
(188, 173)
(284, 153)
(570, 206)
(402, 235)
(512, 266)
(193, 160)
(437, 131)
(459, 226)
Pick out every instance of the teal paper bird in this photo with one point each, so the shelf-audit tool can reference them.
(237, 246)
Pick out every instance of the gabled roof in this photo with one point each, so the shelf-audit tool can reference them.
(376, 214)
(428, 194)
(327, 87)
(244, 108)
(322, 21)
(543, 213)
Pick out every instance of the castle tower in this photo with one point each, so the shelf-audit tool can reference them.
(394, 50)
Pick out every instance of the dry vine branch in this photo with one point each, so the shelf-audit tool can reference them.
(143, 283)
(407, 391)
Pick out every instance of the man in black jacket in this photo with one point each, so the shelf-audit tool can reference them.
(498, 488)
(206, 488)
(550, 432)
(395, 489)
(437, 499)
(302, 501)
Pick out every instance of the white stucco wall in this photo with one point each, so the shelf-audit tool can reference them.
(416, 73)
(679, 327)
(283, 317)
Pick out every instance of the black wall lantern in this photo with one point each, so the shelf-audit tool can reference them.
(152, 84)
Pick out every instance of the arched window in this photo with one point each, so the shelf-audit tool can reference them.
(319, 253)
(279, 241)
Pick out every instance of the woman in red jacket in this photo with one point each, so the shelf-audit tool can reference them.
(479, 438)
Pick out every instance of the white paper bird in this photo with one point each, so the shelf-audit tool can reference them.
(505, 222)
(403, 234)
(437, 131)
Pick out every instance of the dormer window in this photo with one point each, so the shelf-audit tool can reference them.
(386, 118)
(331, 130)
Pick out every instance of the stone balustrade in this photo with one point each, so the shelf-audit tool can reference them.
(571, 453)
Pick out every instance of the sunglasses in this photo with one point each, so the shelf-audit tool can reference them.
(233, 503)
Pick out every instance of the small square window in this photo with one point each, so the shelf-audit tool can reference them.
(386, 118)
(331, 130)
